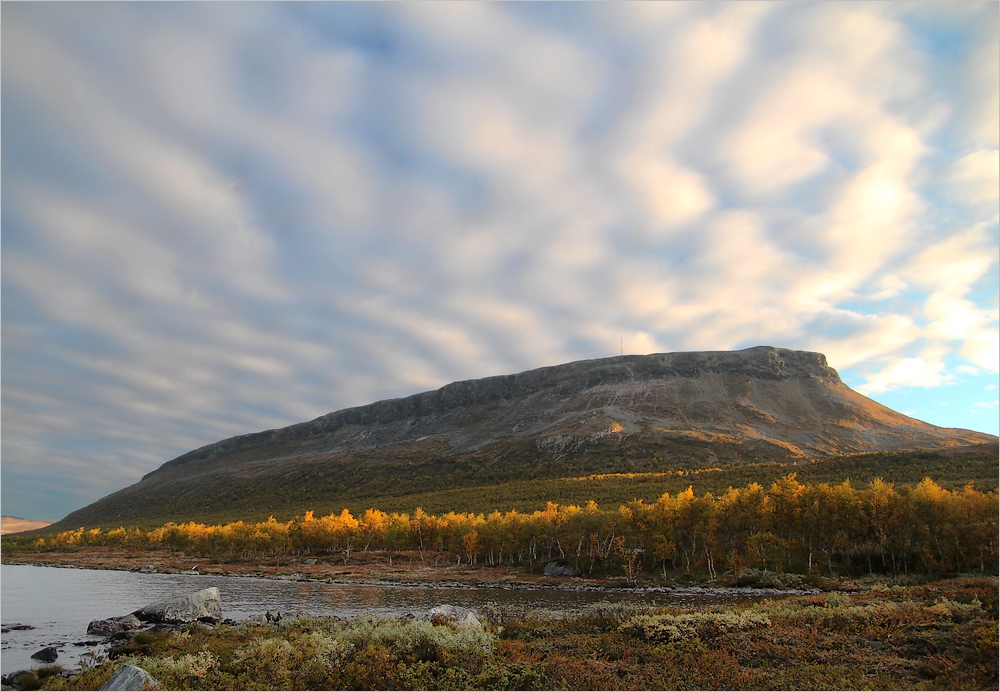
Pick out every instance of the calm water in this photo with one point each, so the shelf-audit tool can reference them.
(61, 602)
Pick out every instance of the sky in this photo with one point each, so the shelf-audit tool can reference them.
(221, 218)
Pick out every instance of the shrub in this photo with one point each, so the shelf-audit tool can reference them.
(268, 659)
(421, 640)
(172, 673)
(675, 628)
(958, 612)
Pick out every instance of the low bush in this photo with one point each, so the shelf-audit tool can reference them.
(674, 628)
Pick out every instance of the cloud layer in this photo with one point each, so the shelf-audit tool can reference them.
(219, 218)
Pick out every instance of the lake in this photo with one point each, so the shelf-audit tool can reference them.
(61, 602)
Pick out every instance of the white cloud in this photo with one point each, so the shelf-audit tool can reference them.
(979, 122)
(248, 218)
(984, 406)
(974, 180)
(924, 372)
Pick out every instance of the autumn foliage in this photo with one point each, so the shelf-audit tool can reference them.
(787, 527)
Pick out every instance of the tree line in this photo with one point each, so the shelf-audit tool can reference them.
(788, 526)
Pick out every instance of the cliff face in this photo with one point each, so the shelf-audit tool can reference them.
(757, 404)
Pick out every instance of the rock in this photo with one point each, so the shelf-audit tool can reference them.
(148, 569)
(112, 626)
(187, 608)
(166, 627)
(554, 569)
(17, 626)
(19, 680)
(455, 616)
(310, 561)
(47, 655)
(131, 678)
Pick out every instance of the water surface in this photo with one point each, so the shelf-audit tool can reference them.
(61, 602)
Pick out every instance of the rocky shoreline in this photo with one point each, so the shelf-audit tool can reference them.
(203, 608)
(122, 629)
(597, 585)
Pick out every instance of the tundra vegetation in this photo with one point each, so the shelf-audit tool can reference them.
(820, 530)
(910, 635)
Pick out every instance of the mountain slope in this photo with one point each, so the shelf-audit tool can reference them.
(648, 413)
(17, 524)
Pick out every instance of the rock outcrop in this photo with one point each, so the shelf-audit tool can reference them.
(455, 616)
(113, 626)
(200, 605)
(131, 677)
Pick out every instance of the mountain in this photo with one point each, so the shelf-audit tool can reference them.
(17, 524)
(629, 413)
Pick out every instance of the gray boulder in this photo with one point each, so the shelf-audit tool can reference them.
(455, 616)
(47, 655)
(20, 680)
(554, 569)
(113, 626)
(131, 678)
(194, 606)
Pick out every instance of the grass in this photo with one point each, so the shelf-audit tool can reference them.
(938, 635)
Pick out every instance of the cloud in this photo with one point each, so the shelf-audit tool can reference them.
(908, 372)
(222, 218)
(984, 406)
(974, 180)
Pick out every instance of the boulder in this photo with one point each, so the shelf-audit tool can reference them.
(187, 608)
(22, 679)
(554, 569)
(455, 616)
(112, 626)
(47, 655)
(131, 678)
(148, 569)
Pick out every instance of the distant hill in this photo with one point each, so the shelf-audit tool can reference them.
(614, 415)
(17, 524)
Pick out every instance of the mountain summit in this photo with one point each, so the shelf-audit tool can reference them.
(670, 410)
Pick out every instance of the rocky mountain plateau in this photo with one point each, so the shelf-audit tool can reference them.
(670, 410)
